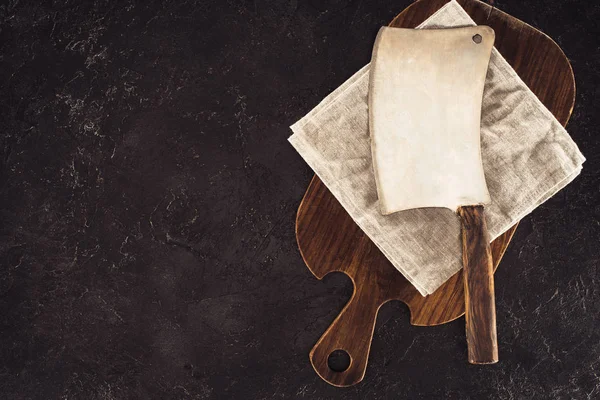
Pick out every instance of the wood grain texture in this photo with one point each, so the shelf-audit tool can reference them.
(330, 241)
(478, 275)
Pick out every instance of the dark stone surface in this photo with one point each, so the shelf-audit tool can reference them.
(148, 197)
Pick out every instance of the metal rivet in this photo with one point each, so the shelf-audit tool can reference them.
(477, 38)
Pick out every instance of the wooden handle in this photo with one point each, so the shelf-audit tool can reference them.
(352, 332)
(480, 306)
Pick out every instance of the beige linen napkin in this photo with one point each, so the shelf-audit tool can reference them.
(527, 155)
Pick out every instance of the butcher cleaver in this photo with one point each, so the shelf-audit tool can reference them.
(425, 95)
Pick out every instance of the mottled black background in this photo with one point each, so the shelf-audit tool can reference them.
(148, 197)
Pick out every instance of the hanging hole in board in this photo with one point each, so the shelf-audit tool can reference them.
(477, 38)
(338, 360)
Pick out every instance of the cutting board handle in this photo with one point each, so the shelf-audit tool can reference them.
(480, 305)
(351, 332)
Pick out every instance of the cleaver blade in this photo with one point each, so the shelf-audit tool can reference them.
(425, 94)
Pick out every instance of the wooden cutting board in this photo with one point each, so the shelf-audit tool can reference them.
(330, 241)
